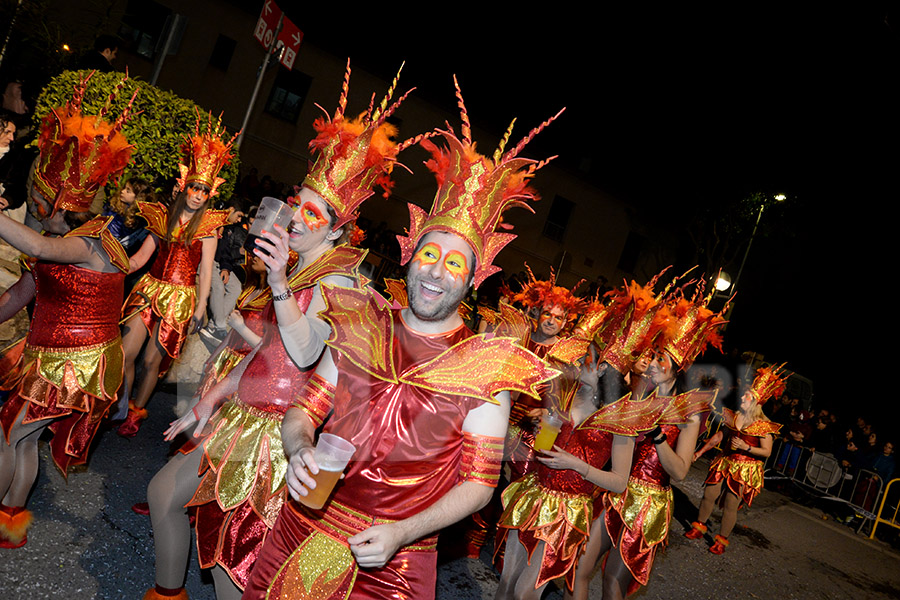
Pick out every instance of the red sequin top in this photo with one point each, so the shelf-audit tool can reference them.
(272, 379)
(593, 446)
(645, 464)
(408, 439)
(75, 307)
(176, 263)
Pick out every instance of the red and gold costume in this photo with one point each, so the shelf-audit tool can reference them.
(401, 398)
(167, 294)
(741, 472)
(637, 519)
(239, 497)
(70, 366)
(556, 506)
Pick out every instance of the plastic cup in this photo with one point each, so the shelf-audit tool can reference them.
(271, 212)
(546, 435)
(332, 455)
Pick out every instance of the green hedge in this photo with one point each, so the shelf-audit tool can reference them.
(157, 127)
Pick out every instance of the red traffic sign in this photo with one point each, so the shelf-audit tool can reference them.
(290, 35)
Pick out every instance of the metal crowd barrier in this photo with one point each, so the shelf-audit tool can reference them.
(821, 474)
(885, 499)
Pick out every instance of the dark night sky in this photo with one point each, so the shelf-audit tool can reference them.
(680, 108)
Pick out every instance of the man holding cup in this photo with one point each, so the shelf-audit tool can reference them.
(422, 399)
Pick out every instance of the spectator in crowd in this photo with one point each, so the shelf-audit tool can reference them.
(227, 274)
(100, 58)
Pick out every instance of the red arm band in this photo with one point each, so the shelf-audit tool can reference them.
(316, 399)
(482, 457)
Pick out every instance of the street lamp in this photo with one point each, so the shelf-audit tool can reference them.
(762, 207)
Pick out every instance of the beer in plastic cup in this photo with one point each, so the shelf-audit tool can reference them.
(332, 455)
(271, 211)
(546, 435)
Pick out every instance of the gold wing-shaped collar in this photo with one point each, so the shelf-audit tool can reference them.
(98, 228)
(340, 260)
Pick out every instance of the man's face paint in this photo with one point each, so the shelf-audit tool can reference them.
(312, 216)
(455, 262)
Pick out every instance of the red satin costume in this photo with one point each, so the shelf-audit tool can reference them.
(410, 451)
(170, 285)
(244, 465)
(70, 366)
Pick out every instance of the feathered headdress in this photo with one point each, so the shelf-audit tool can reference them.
(473, 192)
(80, 153)
(355, 155)
(205, 155)
(538, 294)
(768, 383)
(630, 323)
(695, 327)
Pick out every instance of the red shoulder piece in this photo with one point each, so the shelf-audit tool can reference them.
(684, 406)
(628, 417)
(479, 367)
(212, 221)
(97, 228)
(513, 323)
(156, 214)
(340, 260)
(569, 349)
(360, 329)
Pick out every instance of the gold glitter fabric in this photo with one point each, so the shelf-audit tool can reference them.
(245, 461)
(741, 473)
(98, 228)
(683, 406)
(629, 417)
(482, 457)
(477, 367)
(561, 520)
(317, 399)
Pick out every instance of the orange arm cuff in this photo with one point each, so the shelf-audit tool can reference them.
(316, 399)
(482, 457)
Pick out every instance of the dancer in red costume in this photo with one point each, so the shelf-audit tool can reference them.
(236, 477)
(636, 521)
(424, 401)
(167, 303)
(548, 514)
(746, 443)
(555, 309)
(65, 374)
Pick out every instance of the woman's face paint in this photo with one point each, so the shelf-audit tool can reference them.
(312, 216)
(455, 262)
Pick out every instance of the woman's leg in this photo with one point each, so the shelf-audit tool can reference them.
(518, 577)
(708, 503)
(616, 577)
(729, 513)
(597, 545)
(19, 460)
(134, 334)
(169, 490)
(153, 356)
(225, 588)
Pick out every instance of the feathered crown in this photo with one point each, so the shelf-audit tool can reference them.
(79, 153)
(539, 294)
(768, 383)
(632, 321)
(473, 192)
(205, 155)
(695, 327)
(355, 155)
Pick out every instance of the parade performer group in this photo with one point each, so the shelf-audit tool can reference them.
(431, 408)
(64, 375)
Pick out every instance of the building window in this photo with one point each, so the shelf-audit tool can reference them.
(222, 52)
(143, 25)
(288, 93)
(558, 219)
